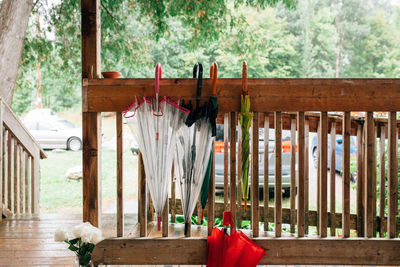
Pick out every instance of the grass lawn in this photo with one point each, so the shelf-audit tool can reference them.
(61, 195)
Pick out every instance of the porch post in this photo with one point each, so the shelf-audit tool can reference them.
(91, 121)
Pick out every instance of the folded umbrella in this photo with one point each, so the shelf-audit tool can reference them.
(234, 250)
(193, 151)
(245, 117)
(155, 125)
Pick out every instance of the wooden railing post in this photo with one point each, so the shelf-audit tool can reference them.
(232, 156)
(120, 179)
(369, 161)
(346, 175)
(301, 175)
(392, 175)
(255, 177)
(91, 121)
(35, 182)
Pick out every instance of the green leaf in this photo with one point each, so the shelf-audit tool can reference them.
(73, 241)
(72, 248)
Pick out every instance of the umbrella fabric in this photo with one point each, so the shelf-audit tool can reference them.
(155, 125)
(245, 117)
(235, 250)
(193, 151)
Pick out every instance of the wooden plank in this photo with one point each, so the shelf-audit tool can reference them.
(360, 202)
(3, 165)
(283, 251)
(392, 176)
(120, 179)
(369, 161)
(333, 178)
(211, 196)
(2, 176)
(318, 176)
(255, 176)
(173, 195)
(91, 121)
(382, 178)
(239, 180)
(35, 183)
(9, 171)
(293, 94)
(374, 197)
(142, 194)
(21, 180)
(226, 160)
(306, 173)
(278, 174)
(27, 184)
(323, 144)
(15, 172)
(232, 156)
(301, 175)
(293, 175)
(346, 176)
(266, 171)
(164, 218)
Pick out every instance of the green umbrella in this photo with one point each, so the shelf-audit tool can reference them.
(245, 118)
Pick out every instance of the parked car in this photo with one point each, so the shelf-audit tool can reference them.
(338, 152)
(55, 132)
(219, 160)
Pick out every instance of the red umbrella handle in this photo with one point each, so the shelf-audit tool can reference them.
(214, 77)
(227, 219)
(158, 76)
(245, 89)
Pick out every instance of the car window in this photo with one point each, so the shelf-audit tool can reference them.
(44, 126)
(31, 125)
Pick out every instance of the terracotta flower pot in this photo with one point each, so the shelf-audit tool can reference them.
(111, 74)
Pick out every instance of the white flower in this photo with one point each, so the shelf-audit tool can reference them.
(96, 236)
(86, 234)
(60, 235)
(77, 231)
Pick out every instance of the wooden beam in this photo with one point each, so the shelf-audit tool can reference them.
(369, 161)
(120, 179)
(392, 177)
(91, 121)
(323, 150)
(266, 95)
(346, 175)
(278, 174)
(279, 251)
(301, 175)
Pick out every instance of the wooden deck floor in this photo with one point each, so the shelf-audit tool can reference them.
(28, 240)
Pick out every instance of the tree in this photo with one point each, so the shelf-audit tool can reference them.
(14, 17)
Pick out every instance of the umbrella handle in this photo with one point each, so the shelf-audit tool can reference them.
(199, 80)
(158, 76)
(227, 219)
(214, 77)
(245, 89)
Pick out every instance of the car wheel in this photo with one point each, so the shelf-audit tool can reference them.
(74, 144)
(315, 157)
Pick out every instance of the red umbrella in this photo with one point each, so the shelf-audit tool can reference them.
(232, 250)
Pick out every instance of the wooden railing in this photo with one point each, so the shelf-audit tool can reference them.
(279, 104)
(20, 159)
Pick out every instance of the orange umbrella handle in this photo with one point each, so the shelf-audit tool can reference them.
(245, 89)
(214, 77)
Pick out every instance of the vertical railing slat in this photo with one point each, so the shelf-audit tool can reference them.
(323, 144)
(301, 174)
(278, 174)
(173, 195)
(211, 196)
(255, 176)
(232, 155)
(142, 197)
(392, 175)
(15, 171)
(3, 165)
(318, 176)
(333, 179)
(239, 189)
(226, 160)
(369, 154)
(9, 171)
(2, 177)
(292, 174)
(346, 175)
(360, 189)
(306, 173)
(382, 179)
(164, 218)
(120, 179)
(35, 183)
(21, 180)
(266, 170)
(27, 196)
(374, 222)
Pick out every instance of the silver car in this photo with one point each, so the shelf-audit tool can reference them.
(219, 161)
(55, 133)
